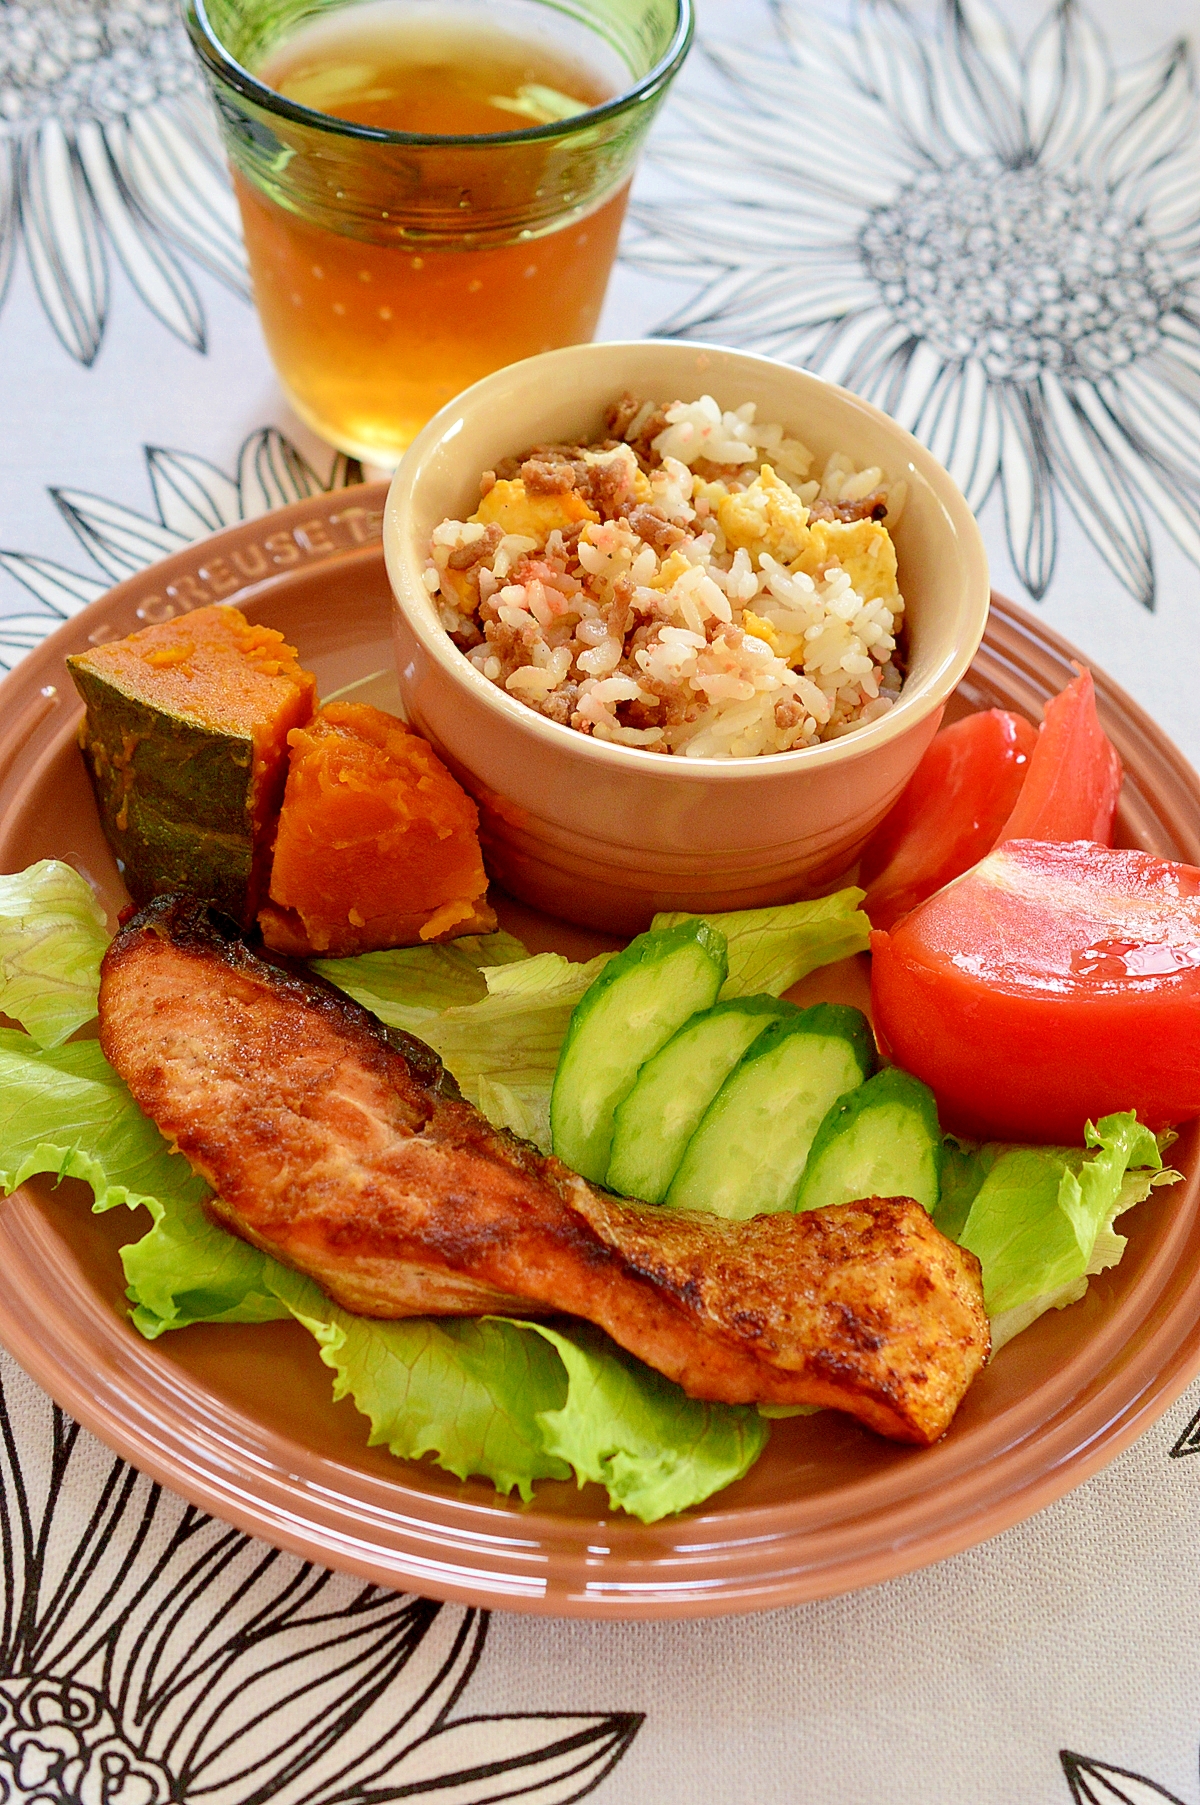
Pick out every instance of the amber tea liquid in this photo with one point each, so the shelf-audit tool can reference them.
(371, 339)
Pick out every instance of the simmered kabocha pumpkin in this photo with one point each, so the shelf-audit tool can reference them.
(377, 845)
(185, 738)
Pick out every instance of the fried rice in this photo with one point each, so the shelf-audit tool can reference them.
(687, 584)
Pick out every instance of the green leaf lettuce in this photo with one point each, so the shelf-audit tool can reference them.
(623, 1425)
(65, 1112)
(52, 939)
(772, 949)
(408, 985)
(1041, 1219)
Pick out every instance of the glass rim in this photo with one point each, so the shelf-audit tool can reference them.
(219, 60)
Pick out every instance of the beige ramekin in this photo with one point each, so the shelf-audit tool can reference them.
(604, 834)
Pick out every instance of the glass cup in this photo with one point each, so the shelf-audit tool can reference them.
(392, 269)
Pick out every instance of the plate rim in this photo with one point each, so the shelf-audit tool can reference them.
(1165, 1362)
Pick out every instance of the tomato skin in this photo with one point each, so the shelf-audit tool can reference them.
(1074, 777)
(1053, 984)
(954, 808)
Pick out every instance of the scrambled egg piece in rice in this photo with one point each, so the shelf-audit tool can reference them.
(760, 629)
(507, 506)
(768, 516)
(863, 549)
(673, 566)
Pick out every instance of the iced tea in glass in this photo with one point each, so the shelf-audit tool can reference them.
(429, 189)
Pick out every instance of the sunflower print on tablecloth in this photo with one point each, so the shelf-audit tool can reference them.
(152, 1656)
(108, 146)
(192, 499)
(999, 245)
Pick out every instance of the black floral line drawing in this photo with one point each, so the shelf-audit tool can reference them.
(108, 145)
(1096, 1783)
(999, 246)
(1188, 1441)
(192, 498)
(151, 1654)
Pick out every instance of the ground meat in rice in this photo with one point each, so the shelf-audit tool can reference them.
(871, 507)
(476, 551)
(638, 424)
(688, 584)
(655, 528)
(547, 476)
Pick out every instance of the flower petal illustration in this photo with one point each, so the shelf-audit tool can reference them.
(991, 70)
(679, 243)
(1181, 339)
(918, 374)
(1068, 81)
(552, 1759)
(117, 146)
(193, 496)
(150, 1654)
(1171, 206)
(63, 590)
(1149, 122)
(152, 270)
(9, 217)
(1189, 1439)
(300, 1679)
(1096, 1783)
(1158, 404)
(755, 308)
(1001, 247)
(859, 346)
(20, 633)
(890, 61)
(1028, 496)
(1175, 504)
(119, 539)
(163, 157)
(846, 145)
(47, 1559)
(973, 456)
(1097, 493)
(271, 472)
(971, 102)
(62, 240)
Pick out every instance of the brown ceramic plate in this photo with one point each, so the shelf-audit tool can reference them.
(239, 1419)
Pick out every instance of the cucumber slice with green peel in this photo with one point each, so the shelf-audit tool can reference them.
(748, 1153)
(662, 1112)
(633, 1008)
(883, 1140)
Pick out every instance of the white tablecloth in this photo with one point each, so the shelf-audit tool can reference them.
(990, 228)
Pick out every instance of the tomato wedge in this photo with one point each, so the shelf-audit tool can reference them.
(954, 808)
(1074, 778)
(1053, 984)
(987, 779)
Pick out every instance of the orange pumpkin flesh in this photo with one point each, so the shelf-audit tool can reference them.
(186, 743)
(377, 845)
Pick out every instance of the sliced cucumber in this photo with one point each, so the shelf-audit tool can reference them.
(634, 1007)
(883, 1140)
(662, 1112)
(747, 1155)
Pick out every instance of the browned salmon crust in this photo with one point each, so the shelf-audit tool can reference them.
(344, 1149)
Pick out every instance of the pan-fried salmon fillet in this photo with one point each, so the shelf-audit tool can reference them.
(344, 1149)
